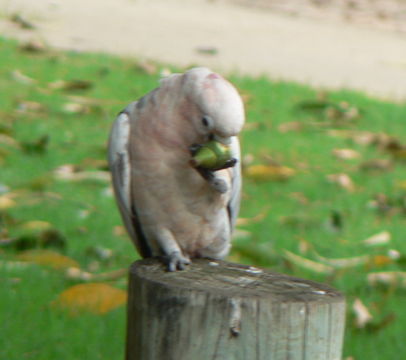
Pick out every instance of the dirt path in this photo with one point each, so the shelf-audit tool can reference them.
(224, 36)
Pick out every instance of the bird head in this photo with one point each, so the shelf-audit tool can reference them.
(218, 111)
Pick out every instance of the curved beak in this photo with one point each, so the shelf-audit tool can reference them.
(223, 140)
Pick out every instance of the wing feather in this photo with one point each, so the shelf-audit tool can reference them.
(120, 167)
(233, 205)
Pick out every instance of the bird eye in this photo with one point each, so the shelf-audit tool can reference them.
(205, 121)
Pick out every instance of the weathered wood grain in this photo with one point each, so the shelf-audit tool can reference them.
(224, 311)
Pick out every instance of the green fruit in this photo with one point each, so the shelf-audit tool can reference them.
(212, 155)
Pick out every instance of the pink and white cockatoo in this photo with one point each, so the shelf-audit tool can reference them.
(172, 207)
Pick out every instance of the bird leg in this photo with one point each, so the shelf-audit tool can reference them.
(209, 175)
(173, 257)
(214, 181)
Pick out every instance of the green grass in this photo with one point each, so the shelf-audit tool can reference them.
(33, 329)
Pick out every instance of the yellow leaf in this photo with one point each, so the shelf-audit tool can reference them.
(47, 258)
(37, 225)
(268, 172)
(308, 264)
(97, 298)
(381, 260)
(6, 202)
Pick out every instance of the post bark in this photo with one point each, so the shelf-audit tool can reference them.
(225, 311)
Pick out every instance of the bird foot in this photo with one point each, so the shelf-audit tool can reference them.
(216, 183)
(176, 261)
(219, 185)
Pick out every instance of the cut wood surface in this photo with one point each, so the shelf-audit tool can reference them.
(225, 311)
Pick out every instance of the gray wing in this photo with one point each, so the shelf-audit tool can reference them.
(120, 167)
(233, 205)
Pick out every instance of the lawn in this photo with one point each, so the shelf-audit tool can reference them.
(323, 173)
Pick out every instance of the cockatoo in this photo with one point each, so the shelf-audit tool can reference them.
(173, 204)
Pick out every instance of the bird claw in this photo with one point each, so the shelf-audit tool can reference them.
(216, 183)
(219, 185)
(176, 261)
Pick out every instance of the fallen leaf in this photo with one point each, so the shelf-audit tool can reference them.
(391, 278)
(69, 172)
(256, 219)
(377, 165)
(268, 172)
(380, 260)
(241, 234)
(207, 50)
(6, 202)
(255, 125)
(9, 141)
(71, 85)
(308, 264)
(75, 273)
(290, 126)
(394, 254)
(381, 238)
(34, 46)
(119, 230)
(343, 180)
(22, 22)
(330, 110)
(147, 67)
(21, 78)
(346, 154)
(38, 146)
(95, 163)
(300, 198)
(36, 225)
(344, 263)
(362, 314)
(75, 108)
(27, 106)
(47, 258)
(97, 298)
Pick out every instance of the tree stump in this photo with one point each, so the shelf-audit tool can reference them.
(225, 311)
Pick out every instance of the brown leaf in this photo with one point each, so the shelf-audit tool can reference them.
(256, 219)
(34, 46)
(290, 126)
(207, 50)
(71, 85)
(22, 22)
(147, 67)
(97, 298)
(47, 258)
(377, 165)
(268, 172)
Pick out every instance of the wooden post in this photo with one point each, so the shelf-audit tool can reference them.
(225, 311)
